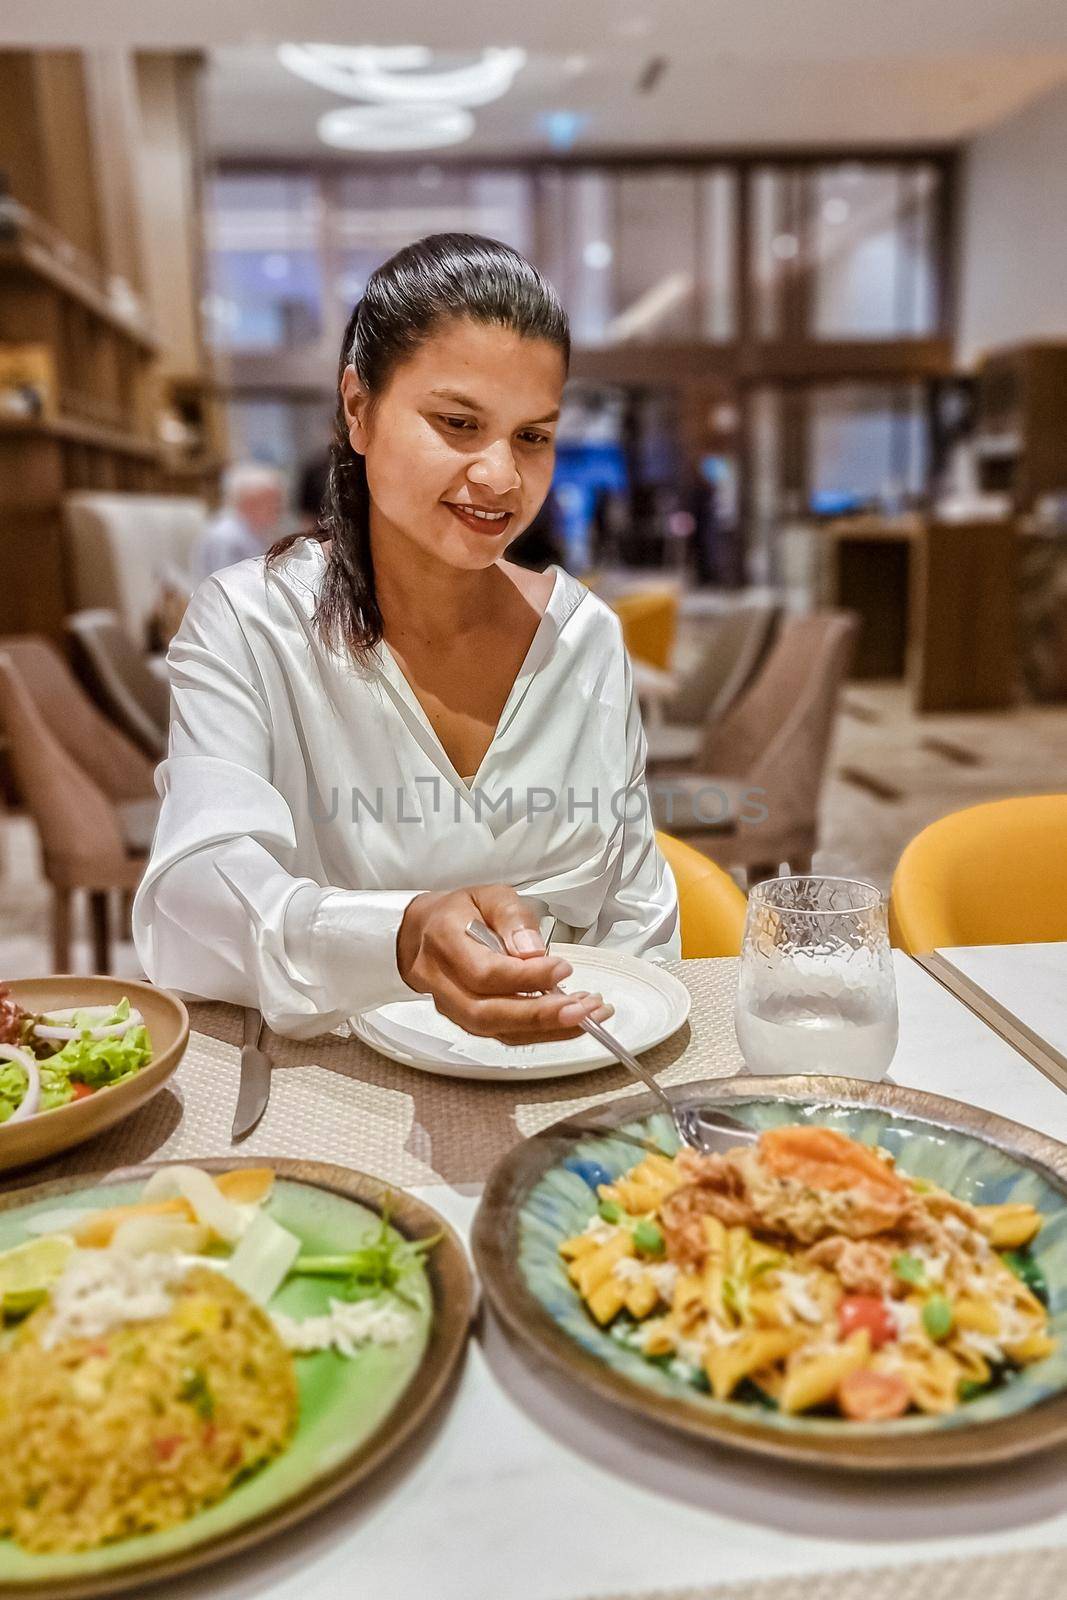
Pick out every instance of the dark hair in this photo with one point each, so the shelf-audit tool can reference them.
(425, 285)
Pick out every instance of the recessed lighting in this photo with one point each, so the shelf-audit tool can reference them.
(388, 77)
(835, 210)
(598, 254)
(785, 246)
(403, 127)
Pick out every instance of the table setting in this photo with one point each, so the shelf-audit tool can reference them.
(562, 1432)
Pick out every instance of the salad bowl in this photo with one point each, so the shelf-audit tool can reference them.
(47, 1133)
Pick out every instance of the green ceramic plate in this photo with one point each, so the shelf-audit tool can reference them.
(544, 1191)
(353, 1413)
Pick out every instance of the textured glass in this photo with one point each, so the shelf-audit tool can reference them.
(816, 991)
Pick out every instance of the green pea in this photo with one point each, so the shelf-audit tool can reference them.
(908, 1268)
(609, 1211)
(938, 1317)
(647, 1237)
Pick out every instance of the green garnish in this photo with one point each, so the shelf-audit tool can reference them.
(196, 1392)
(750, 1394)
(374, 1268)
(1028, 1271)
(608, 1211)
(971, 1388)
(909, 1269)
(649, 1238)
(938, 1318)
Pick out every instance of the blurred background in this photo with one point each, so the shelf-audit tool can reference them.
(814, 259)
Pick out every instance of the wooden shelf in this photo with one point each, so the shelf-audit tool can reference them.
(24, 257)
(73, 430)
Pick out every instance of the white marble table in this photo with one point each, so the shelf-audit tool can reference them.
(1028, 979)
(526, 1490)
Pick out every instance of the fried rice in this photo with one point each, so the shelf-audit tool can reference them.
(138, 1430)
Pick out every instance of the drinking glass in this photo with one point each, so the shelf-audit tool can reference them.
(816, 991)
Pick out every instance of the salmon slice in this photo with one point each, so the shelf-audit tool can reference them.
(821, 1158)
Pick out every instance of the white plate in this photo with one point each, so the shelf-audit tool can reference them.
(650, 1004)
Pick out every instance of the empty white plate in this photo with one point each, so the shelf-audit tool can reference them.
(650, 1004)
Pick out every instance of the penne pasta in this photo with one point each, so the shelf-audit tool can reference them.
(919, 1300)
(590, 1271)
(1009, 1227)
(814, 1380)
(726, 1365)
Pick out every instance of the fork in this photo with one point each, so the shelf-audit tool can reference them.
(700, 1130)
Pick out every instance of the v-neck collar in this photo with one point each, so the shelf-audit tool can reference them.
(567, 594)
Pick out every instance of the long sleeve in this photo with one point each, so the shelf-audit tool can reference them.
(218, 914)
(640, 910)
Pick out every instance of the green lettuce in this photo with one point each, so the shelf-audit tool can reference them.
(12, 1088)
(99, 1062)
(96, 1062)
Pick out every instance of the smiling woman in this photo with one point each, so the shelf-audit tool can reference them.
(319, 851)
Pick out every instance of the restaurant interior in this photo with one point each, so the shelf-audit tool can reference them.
(812, 455)
(820, 363)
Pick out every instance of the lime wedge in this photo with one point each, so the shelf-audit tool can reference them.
(29, 1270)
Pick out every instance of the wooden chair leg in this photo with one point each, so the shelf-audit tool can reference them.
(61, 902)
(98, 909)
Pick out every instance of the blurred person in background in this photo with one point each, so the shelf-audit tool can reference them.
(250, 520)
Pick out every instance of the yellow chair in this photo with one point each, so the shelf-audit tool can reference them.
(993, 874)
(649, 618)
(712, 907)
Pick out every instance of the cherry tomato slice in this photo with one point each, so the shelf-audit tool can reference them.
(873, 1396)
(858, 1311)
(82, 1091)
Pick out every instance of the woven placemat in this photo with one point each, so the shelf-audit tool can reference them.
(334, 1098)
(1022, 1575)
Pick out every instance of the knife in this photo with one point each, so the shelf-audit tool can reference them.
(254, 1092)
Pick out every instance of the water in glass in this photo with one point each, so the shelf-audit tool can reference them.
(816, 991)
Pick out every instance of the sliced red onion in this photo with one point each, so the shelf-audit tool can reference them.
(46, 1030)
(32, 1098)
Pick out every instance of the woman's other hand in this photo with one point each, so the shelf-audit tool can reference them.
(485, 993)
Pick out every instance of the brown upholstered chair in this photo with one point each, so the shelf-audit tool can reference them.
(88, 789)
(767, 754)
(736, 644)
(134, 697)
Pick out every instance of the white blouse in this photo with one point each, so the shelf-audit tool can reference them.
(307, 800)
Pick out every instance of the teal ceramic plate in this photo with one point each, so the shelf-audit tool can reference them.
(543, 1192)
(353, 1413)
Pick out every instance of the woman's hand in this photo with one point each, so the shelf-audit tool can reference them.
(486, 993)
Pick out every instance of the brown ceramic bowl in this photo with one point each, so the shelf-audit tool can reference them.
(49, 1132)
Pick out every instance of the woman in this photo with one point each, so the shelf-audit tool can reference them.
(379, 736)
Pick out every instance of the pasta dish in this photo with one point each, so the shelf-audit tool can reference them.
(807, 1273)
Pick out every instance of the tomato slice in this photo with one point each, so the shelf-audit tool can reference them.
(82, 1091)
(873, 1396)
(858, 1311)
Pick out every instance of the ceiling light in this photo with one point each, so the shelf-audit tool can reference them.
(403, 127)
(785, 246)
(390, 76)
(598, 254)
